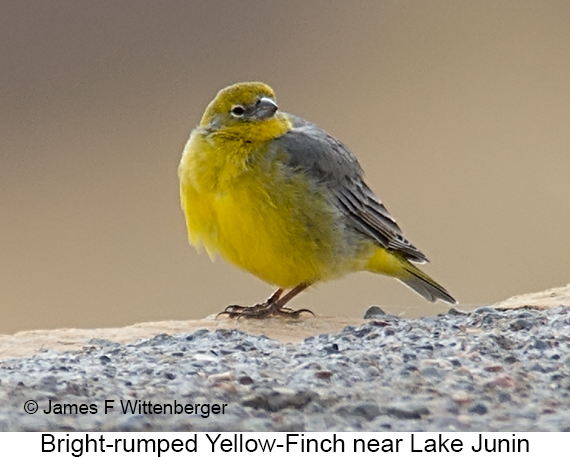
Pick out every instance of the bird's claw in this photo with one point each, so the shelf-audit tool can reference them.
(262, 311)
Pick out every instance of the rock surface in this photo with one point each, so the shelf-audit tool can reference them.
(500, 368)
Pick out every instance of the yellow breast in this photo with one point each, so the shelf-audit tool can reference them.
(250, 208)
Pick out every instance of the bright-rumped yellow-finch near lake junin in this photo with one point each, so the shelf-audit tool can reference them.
(281, 198)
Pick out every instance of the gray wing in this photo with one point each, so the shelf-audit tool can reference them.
(330, 162)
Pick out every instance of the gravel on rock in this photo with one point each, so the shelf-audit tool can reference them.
(486, 370)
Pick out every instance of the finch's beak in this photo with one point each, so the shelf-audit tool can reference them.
(264, 108)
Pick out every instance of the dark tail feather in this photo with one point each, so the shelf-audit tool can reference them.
(421, 283)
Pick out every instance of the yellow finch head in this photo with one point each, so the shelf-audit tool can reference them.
(245, 112)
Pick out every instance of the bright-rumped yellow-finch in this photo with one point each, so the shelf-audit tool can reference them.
(284, 200)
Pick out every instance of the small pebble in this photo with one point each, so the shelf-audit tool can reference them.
(373, 312)
(461, 397)
(218, 377)
(521, 324)
(505, 380)
(407, 411)
(323, 374)
(479, 408)
(367, 410)
(493, 368)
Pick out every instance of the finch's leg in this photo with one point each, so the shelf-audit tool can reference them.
(273, 306)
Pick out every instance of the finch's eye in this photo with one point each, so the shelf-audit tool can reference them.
(238, 111)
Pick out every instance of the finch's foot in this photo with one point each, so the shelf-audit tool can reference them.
(262, 311)
(273, 306)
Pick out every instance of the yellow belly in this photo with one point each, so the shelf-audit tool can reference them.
(278, 227)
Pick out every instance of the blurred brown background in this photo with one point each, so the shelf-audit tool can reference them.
(458, 111)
